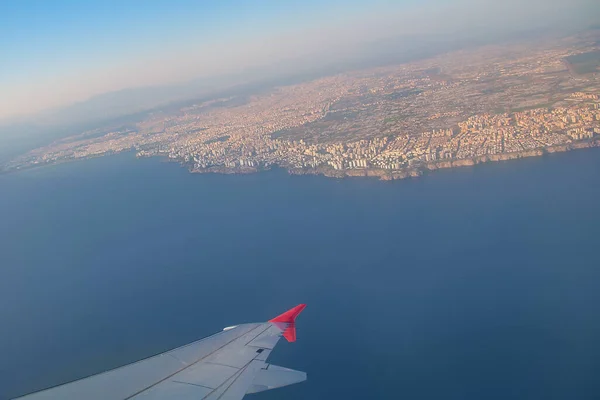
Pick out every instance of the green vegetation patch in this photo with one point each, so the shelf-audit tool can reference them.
(404, 93)
(584, 63)
(216, 140)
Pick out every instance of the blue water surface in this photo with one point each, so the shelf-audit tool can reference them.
(473, 283)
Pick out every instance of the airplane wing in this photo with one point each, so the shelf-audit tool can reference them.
(225, 366)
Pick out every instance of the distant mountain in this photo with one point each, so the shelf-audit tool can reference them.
(123, 102)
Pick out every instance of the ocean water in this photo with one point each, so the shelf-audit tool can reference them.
(473, 283)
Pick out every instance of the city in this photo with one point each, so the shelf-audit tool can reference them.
(489, 103)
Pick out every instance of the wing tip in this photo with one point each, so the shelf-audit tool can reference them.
(288, 322)
(290, 315)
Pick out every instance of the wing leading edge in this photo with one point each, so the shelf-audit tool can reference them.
(225, 366)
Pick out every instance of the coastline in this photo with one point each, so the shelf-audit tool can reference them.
(381, 174)
(410, 172)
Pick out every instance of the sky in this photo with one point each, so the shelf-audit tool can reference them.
(57, 52)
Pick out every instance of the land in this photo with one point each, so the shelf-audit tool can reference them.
(490, 103)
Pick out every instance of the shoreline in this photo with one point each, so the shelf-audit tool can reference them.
(409, 172)
(381, 174)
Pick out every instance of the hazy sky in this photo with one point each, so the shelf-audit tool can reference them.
(56, 52)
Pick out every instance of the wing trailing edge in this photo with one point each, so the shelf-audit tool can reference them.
(273, 376)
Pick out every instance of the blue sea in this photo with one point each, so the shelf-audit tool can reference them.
(472, 283)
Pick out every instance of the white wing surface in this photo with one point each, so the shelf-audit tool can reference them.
(224, 366)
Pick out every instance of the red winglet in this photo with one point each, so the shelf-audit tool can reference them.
(289, 318)
(290, 315)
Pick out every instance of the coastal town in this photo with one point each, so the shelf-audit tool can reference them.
(489, 103)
